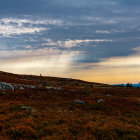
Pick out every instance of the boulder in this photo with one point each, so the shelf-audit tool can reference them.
(100, 101)
(21, 88)
(6, 86)
(79, 102)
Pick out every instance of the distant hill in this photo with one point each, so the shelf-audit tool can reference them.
(136, 85)
(133, 85)
(33, 79)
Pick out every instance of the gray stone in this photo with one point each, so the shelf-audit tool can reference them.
(51, 87)
(100, 101)
(58, 88)
(29, 86)
(6, 86)
(21, 88)
(108, 95)
(26, 108)
(79, 102)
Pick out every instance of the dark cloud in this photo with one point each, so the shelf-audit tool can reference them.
(75, 8)
(81, 19)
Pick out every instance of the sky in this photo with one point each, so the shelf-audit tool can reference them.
(92, 40)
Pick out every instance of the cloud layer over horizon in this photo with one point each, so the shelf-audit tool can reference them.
(70, 38)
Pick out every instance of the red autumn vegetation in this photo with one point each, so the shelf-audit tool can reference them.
(78, 110)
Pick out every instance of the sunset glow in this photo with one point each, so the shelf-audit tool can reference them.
(64, 39)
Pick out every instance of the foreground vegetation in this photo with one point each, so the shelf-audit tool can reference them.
(78, 110)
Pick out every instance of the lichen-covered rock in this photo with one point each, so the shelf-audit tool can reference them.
(6, 86)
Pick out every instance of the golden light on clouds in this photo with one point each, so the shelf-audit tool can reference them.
(52, 62)
(113, 70)
(46, 61)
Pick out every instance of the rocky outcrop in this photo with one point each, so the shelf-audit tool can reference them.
(6, 86)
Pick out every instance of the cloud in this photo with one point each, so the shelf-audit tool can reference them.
(137, 49)
(73, 43)
(50, 42)
(17, 26)
(101, 20)
(112, 70)
(103, 32)
(21, 21)
(82, 3)
(121, 61)
(7, 30)
(48, 61)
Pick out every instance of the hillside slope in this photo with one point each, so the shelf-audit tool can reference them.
(44, 108)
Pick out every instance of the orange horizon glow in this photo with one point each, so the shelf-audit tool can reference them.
(116, 70)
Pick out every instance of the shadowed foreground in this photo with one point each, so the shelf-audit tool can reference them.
(44, 108)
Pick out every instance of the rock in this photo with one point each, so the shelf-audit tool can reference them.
(29, 86)
(21, 88)
(51, 87)
(58, 88)
(6, 86)
(79, 102)
(26, 108)
(100, 101)
(108, 95)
